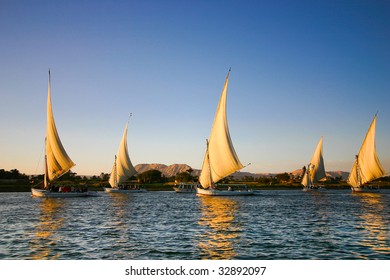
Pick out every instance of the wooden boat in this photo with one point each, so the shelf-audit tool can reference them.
(315, 171)
(227, 190)
(123, 169)
(220, 159)
(57, 161)
(185, 188)
(56, 194)
(367, 166)
(126, 189)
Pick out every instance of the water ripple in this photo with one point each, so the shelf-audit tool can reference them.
(166, 225)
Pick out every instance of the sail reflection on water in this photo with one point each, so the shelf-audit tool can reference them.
(118, 234)
(376, 232)
(50, 221)
(218, 239)
(120, 210)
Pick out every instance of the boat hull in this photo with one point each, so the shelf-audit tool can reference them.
(365, 189)
(179, 190)
(216, 192)
(185, 188)
(50, 194)
(314, 189)
(114, 190)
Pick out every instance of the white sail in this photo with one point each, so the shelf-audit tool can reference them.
(220, 159)
(366, 166)
(316, 168)
(57, 160)
(306, 181)
(123, 169)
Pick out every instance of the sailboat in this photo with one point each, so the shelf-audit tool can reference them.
(315, 170)
(185, 187)
(57, 161)
(220, 159)
(123, 169)
(366, 167)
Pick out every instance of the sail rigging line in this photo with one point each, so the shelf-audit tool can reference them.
(39, 160)
(45, 171)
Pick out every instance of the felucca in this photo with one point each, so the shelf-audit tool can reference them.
(315, 171)
(366, 167)
(185, 188)
(57, 162)
(123, 169)
(220, 159)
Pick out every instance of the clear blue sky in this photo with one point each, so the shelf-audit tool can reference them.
(300, 70)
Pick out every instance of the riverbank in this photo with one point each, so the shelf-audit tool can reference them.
(168, 187)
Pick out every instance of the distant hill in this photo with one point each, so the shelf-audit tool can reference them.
(335, 174)
(173, 169)
(167, 171)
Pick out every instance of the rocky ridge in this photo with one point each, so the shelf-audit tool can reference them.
(173, 169)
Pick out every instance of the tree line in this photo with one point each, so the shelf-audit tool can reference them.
(156, 176)
(150, 176)
(12, 174)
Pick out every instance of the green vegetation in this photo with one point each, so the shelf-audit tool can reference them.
(154, 180)
(14, 174)
(13, 181)
(185, 176)
(151, 176)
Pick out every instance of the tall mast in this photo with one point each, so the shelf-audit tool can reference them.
(358, 175)
(115, 175)
(46, 181)
(130, 115)
(309, 175)
(208, 161)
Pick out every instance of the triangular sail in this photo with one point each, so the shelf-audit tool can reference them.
(220, 159)
(306, 181)
(123, 168)
(366, 166)
(316, 168)
(57, 160)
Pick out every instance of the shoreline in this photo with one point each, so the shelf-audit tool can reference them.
(166, 187)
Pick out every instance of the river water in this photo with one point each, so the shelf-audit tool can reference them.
(276, 225)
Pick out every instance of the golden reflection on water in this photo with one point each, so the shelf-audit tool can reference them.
(119, 216)
(218, 217)
(320, 205)
(50, 220)
(376, 234)
(119, 207)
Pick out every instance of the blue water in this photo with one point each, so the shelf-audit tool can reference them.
(283, 224)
